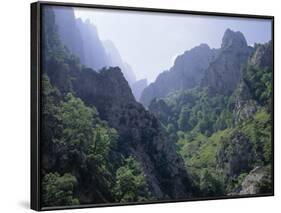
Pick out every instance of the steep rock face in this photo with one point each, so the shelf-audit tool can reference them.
(68, 31)
(245, 105)
(258, 181)
(138, 87)
(262, 56)
(139, 131)
(237, 153)
(102, 89)
(186, 73)
(81, 38)
(94, 52)
(114, 59)
(224, 73)
(233, 39)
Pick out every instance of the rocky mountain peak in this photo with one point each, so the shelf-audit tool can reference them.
(232, 39)
(224, 72)
(140, 133)
(187, 72)
(203, 46)
(107, 85)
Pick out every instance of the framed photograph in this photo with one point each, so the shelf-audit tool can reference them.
(141, 105)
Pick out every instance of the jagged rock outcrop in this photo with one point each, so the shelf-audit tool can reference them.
(138, 87)
(224, 73)
(258, 181)
(139, 131)
(245, 105)
(187, 72)
(262, 56)
(236, 155)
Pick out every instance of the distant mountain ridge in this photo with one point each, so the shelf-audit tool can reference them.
(115, 59)
(82, 39)
(138, 87)
(219, 70)
(186, 73)
(94, 52)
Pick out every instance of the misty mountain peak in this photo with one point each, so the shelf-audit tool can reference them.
(199, 48)
(203, 46)
(233, 39)
(192, 54)
(187, 72)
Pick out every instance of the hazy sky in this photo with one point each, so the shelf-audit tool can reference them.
(149, 42)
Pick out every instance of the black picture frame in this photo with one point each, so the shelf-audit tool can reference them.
(36, 34)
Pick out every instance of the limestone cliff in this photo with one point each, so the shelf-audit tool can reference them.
(224, 73)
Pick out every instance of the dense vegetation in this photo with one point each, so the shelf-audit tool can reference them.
(218, 148)
(77, 149)
(130, 182)
(259, 81)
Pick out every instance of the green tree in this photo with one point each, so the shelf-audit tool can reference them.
(183, 121)
(84, 143)
(259, 81)
(50, 99)
(58, 190)
(76, 122)
(130, 182)
(210, 185)
(223, 121)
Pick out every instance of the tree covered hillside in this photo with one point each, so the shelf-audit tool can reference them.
(225, 138)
